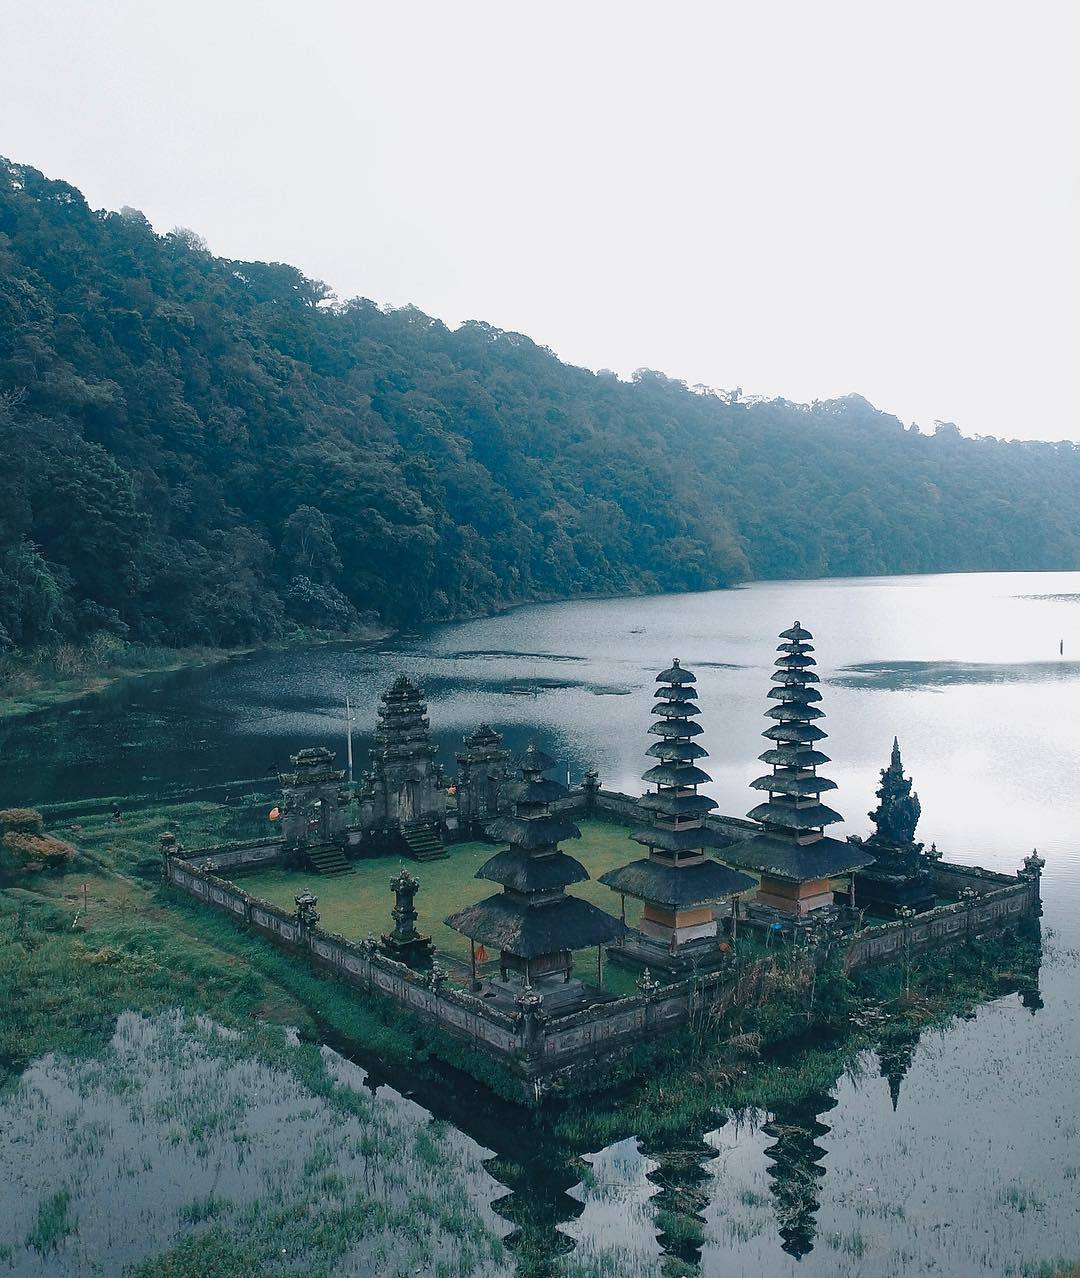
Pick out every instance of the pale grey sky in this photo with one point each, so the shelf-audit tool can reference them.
(801, 199)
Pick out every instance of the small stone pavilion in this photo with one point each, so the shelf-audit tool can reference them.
(532, 924)
(679, 884)
(902, 875)
(795, 858)
(402, 796)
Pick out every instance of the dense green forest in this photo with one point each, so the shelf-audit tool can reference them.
(204, 451)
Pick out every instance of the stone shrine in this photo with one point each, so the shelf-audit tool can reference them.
(901, 875)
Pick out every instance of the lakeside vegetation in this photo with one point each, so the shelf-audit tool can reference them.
(48, 676)
(212, 453)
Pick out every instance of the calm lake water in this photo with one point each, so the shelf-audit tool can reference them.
(977, 1169)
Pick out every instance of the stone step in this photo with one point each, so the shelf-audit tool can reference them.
(424, 843)
(328, 860)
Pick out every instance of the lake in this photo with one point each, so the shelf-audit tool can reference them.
(975, 1170)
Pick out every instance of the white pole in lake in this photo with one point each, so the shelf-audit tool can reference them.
(349, 721)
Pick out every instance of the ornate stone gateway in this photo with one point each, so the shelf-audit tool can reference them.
(313, 816)
(402, 795)
(482, 779)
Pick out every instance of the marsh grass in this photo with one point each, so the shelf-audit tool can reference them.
(53, 1224)
(286, 1170)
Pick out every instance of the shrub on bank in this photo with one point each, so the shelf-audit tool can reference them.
(25, 844)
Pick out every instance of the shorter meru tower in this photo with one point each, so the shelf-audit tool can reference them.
(679, 884)
(533, 924)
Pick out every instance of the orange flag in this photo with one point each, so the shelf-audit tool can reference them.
(481, 954)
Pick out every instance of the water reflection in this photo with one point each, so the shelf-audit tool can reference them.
(796, 1163)
(821, 1179)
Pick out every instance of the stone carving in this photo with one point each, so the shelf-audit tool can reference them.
(898, 810)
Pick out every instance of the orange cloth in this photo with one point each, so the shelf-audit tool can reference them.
(481, 954)
(275, 814)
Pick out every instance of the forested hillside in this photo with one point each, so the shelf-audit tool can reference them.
(198, 450)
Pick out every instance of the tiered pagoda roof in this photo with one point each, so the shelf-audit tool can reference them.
(793, 845)
(533, 915)
(677, 873)
(403, 730)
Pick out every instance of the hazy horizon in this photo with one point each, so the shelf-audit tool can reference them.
(799, 203)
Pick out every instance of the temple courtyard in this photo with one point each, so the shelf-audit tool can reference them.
(358, 904)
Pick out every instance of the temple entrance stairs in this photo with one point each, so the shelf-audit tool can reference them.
(328, 859)
(424, 842)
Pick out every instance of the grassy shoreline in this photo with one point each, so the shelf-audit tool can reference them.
(30, 684)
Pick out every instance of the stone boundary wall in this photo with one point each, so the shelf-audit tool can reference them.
(460, 1013)
(254, 854)
(1007, 904)
(533, 1047)
(954, 878)
(536, 1049)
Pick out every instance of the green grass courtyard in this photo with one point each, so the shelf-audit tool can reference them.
(355, 905)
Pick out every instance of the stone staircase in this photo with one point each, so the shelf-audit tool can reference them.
(328, 859)
(424, 842)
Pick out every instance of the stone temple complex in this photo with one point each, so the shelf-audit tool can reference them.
(714, 895)
(680, 885)
(793, 856)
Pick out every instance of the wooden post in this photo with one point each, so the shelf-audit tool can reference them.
(734, 917)
(472, 960)
(851, 890)
(622, 912)
(600, 966)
